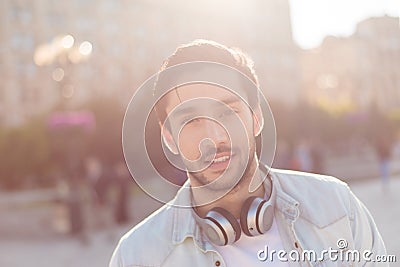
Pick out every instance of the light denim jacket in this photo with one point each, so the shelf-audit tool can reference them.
(312, 213)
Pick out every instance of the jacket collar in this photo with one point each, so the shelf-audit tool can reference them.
(184, 224)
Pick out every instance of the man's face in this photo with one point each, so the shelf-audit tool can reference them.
(213, 131)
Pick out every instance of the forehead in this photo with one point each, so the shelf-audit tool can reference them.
(200, 90)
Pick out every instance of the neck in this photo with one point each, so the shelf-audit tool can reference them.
(234, 199)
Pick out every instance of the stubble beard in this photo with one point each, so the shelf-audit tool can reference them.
(200, 178)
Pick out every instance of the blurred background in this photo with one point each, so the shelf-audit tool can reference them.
(330, 70)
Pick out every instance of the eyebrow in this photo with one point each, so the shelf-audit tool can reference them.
(228, 101)
(231, 100)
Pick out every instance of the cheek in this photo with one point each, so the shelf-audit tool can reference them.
(247, 122)
(189, 143)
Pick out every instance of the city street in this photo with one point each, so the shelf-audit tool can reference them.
(100, 99)
(66, 251)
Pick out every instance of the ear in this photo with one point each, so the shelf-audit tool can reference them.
(168, 140)
(258, 120)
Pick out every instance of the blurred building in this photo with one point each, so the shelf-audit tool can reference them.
(130, 39)
(358, 71)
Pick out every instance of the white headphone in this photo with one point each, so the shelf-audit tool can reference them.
(256, 218)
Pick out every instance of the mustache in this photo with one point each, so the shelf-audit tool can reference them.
(210, 152)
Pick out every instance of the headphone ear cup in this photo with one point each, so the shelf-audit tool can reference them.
(256, 216)
(244, 223)
(221, 227)
(265, 217)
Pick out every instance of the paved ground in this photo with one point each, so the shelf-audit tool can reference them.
(385, 208)
(61, 251)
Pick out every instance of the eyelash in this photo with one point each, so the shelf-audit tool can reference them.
(228, 112)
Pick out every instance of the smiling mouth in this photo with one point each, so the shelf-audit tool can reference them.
(221, 159)
(220, 162)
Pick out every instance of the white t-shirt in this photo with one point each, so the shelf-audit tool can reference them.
(245, 251)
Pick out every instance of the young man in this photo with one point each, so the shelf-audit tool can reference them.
(241, 212)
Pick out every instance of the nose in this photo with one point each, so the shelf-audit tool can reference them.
(215, 131)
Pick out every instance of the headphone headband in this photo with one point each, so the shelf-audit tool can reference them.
(256, 218)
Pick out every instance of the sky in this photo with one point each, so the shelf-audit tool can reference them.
(312, 20)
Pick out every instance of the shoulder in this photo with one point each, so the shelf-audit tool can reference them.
(303, 180)
(317, 195)
(149, 242)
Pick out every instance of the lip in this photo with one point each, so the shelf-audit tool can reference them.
(221, 165)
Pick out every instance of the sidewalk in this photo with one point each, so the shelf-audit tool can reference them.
(29, 247)
(385, 209)
(69, 252)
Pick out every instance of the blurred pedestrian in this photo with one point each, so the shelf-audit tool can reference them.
(383, 151)
(317, 157)
(303, 155)
(283, 155)
(122, 179)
